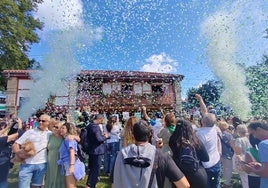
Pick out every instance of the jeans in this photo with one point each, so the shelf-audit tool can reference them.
(110, 156)
(213, 174)
(254, 181)
(31, 174)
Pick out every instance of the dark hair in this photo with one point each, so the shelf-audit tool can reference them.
(142, 131)
(111, 121)
(254, 141)
(70, 128)
(183, 132)
(256, 124)
(236, 121)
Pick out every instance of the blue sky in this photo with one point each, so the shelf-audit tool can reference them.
(154, 35)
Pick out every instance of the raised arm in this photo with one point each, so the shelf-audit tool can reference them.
(202, 104)
(144, 113)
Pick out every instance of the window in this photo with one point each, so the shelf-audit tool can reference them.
(127, 89)
(157, 89)
(138, 88)
(107, 88)
(147, 89)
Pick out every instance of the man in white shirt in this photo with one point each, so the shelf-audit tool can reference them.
(208, 136)
(31, 173)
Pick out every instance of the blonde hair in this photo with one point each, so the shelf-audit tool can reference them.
(223, 125)
(128, 136)
(242, 129)
(71, 129)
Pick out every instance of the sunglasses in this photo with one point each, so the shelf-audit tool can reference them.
(43, 121)
(56, 127)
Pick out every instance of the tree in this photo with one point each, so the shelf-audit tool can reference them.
(257, 83)
(17, 32)
(210, 91)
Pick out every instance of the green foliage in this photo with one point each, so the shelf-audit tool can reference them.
(257, 83)
(210, 91)
(17, 32)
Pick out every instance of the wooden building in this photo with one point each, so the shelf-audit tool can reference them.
(107, 90)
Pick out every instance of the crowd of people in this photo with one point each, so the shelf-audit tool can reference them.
(144, 152)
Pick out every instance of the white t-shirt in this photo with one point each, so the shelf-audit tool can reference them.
(40, 141)
(157, 127)
(209, 137)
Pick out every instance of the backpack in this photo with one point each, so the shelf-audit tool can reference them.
(81, 154)
(143, 162)
(227, 150)
(84, 141)
(187, 159)
(83, 146)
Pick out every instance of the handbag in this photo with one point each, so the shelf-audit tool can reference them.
(79, 170)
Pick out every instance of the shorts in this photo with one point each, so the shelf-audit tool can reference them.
(31, 174)
(66, 166)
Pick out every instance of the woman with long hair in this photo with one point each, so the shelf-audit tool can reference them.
(54, 179)
(184, 133)
(67, 151)
(128, 136)
(112, 144)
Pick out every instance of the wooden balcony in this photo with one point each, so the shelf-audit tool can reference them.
(124, 102)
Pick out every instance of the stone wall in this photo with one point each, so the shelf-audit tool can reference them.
(12, 89)
(178, 100)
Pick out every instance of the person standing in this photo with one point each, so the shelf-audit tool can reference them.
(253, 156)
(112, 144)
(96, 149)
(241, 145)
(31, 173)
(142, 165)
(5, 151)
(155, 123)
(208, 135)
(260, 130)
(227, 154)
(184, 133)
(167, 131)
(54, 179)
(67, 152)
(127, 134)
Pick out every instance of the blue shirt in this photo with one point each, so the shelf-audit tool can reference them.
(64, 150)
(263, 154)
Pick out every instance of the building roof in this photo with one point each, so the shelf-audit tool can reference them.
(104, 74)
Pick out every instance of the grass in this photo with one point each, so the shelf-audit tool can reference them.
(103, 183)
(13, 179)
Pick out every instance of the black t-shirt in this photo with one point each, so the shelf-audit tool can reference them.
(166, 168)
(3, 142)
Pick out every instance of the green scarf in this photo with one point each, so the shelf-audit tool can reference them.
(171, 128)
